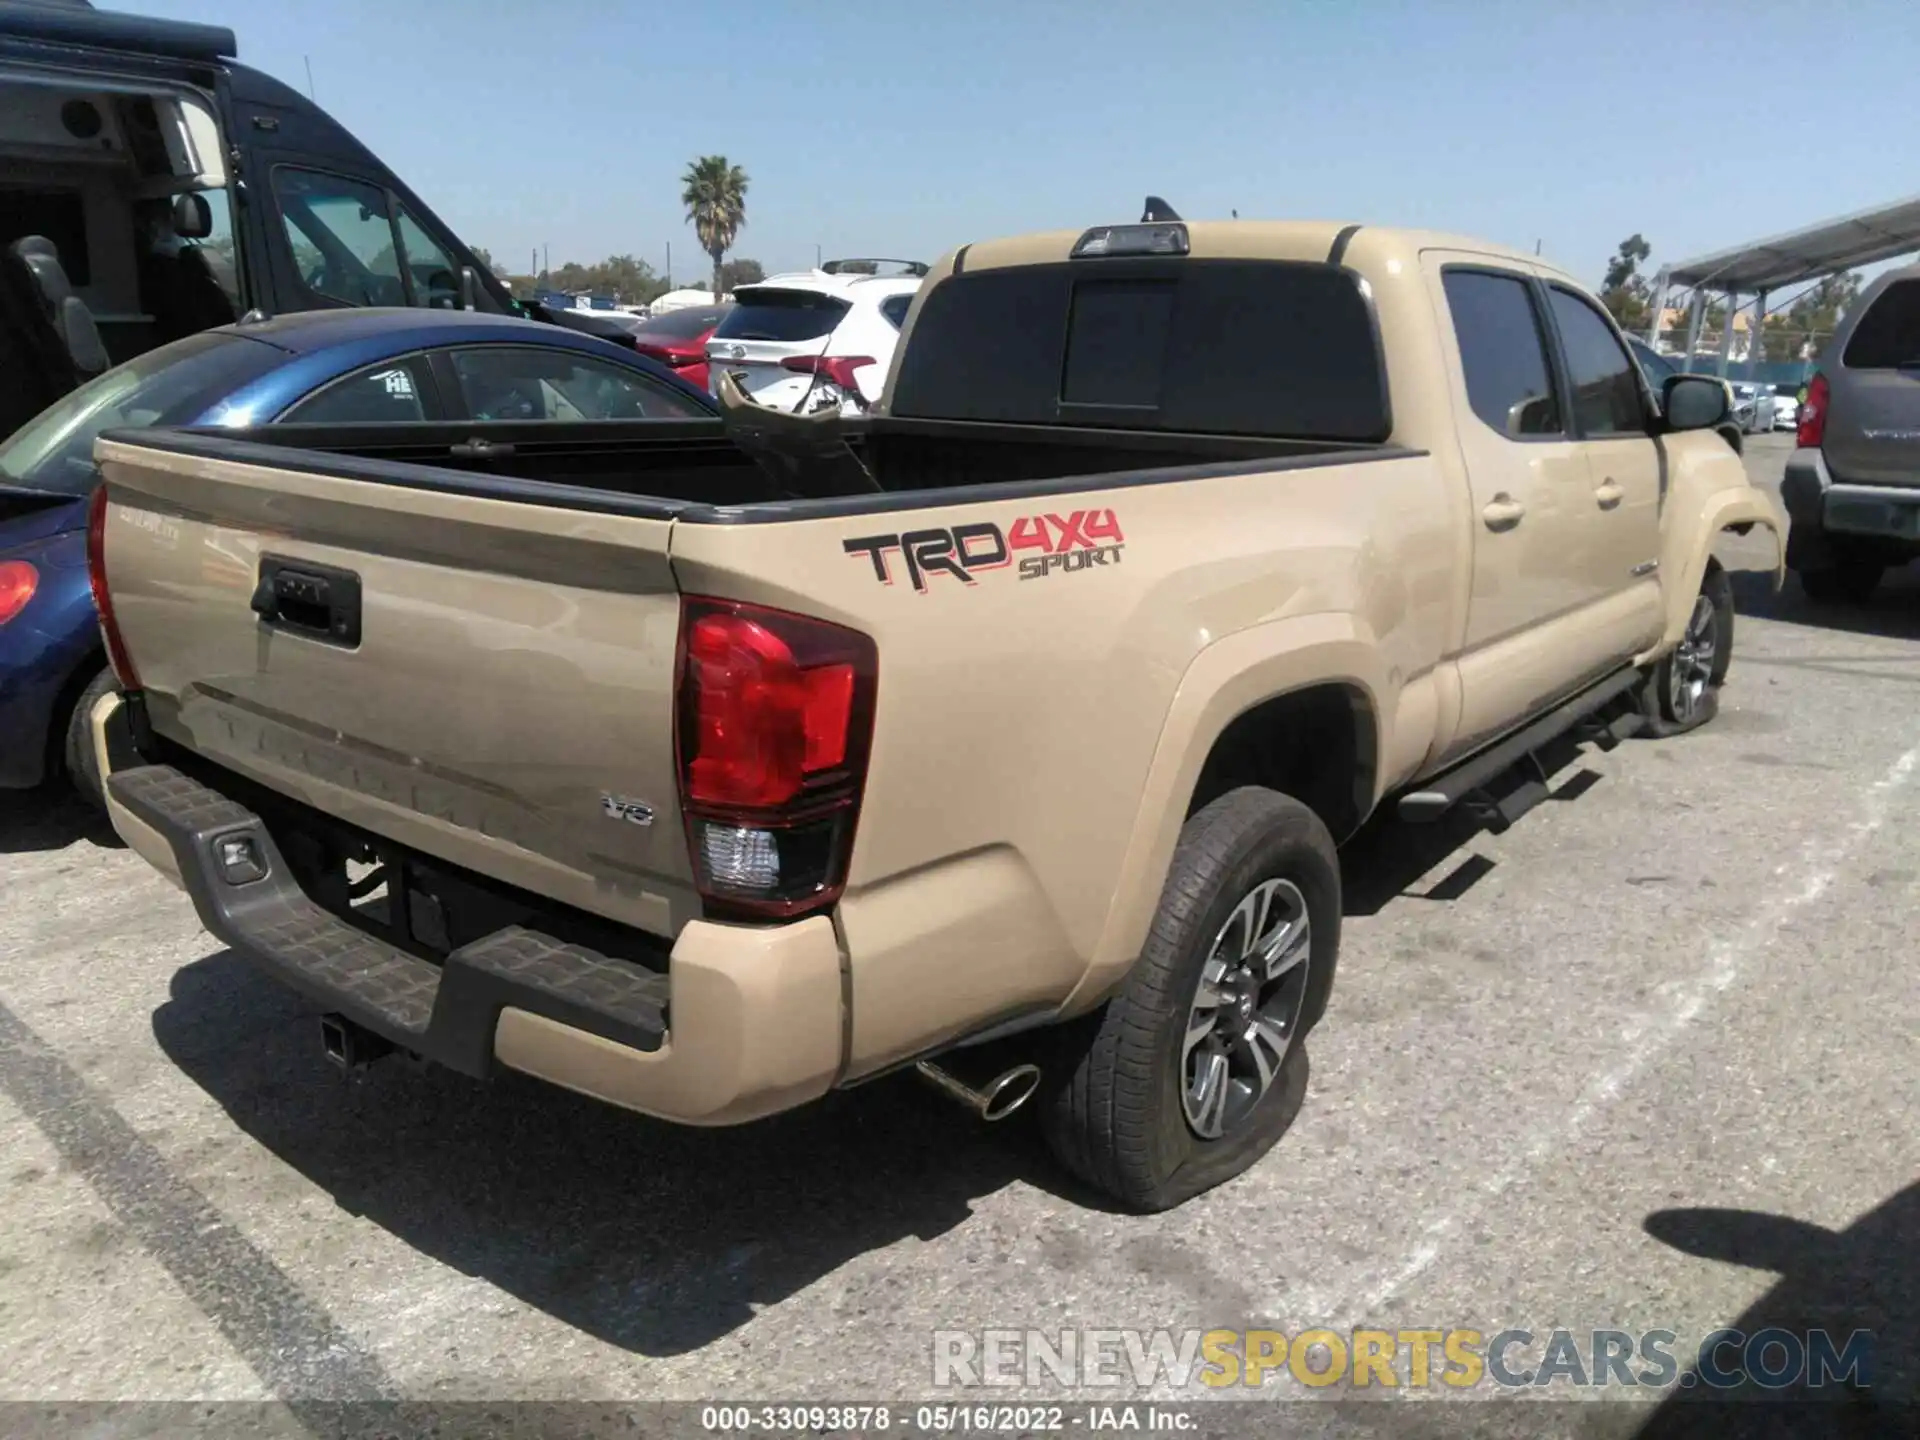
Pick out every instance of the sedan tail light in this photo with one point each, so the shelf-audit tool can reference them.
(18, 580)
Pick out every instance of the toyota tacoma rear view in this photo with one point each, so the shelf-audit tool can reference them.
(1007, 733)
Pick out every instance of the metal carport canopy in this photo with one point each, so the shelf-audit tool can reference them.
(1809, 254)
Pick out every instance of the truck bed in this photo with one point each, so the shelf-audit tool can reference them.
(658, 468)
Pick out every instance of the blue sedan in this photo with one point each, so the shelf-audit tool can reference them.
(325, 367)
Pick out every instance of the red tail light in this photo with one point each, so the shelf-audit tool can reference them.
(678, 359)
(18, 581)
(774, 719)
(117, 657)
(837, 368)
(1813, 414)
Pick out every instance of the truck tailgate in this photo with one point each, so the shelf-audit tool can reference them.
(486, 678)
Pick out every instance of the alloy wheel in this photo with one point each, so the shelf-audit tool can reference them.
(1246, 1009)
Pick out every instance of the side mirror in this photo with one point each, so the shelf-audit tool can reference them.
(469, 288)
(1694, 402)
(1533, 415)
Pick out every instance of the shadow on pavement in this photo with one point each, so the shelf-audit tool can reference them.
(51, 818)
(1865, 1277)
(654, 1237)
(1893, 612)
(1388, 857)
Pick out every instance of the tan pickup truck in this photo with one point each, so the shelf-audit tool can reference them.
(1016, 749)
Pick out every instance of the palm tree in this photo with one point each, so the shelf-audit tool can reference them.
(716, 201)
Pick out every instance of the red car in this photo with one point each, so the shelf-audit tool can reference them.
(679, 339)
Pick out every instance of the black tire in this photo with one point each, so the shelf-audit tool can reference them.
(82, 765)
(1672, 700)
(1851, 583)
(1114, 1113)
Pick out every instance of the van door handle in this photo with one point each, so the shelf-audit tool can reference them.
(1609, 494)
(1503, 512)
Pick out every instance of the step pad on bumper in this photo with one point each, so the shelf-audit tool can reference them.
(445, 1012)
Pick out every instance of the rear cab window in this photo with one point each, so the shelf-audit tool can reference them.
(1503, 353)
(1888, 335)
(1226, 347)
(761, 313)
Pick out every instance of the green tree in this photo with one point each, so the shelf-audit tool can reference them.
(736, 273)
(1624, 291)
(1817, 313)
(715, 194)
(485, 257)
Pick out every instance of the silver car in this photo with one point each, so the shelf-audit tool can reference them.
(1852, 489)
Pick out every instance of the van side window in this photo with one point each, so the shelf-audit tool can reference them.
(1502, 353)
(1606, 392)
(342, 240)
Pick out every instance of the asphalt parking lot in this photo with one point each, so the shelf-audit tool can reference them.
(1647, 1060)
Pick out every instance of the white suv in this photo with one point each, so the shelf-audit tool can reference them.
(816, 338)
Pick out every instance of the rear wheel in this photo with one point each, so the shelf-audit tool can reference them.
(1850, 583)
(1193, 1071)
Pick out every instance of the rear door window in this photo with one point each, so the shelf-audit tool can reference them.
(1502, 353)
(783, 315)
(1257, 348)
(1888, 335)
(522, 382)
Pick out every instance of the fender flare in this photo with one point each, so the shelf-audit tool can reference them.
(1224, 681)
(1691, 530)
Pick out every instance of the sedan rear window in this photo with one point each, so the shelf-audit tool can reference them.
(1888, 335)
(1228, 347)
(785, 315)
(168, 386)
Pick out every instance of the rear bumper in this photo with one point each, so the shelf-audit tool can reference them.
(1884, 518)
(742, 1023)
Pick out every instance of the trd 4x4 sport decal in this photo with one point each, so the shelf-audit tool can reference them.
(1060, 543)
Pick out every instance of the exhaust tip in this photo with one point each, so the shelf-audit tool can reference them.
(1007, 1093)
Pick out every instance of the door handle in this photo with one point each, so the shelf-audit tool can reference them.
(1609, 494)
(318, 601)
(1503, 512)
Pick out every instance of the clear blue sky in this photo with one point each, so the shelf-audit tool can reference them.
(904, 129)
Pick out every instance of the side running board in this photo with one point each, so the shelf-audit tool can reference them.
(1467, 779)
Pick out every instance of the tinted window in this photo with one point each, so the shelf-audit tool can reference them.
(1888, 335)
(1606, 392)
(895, 308)
(342, 242)
(169, 386)
(508, 382)
(390, 393)
(1502, 353)
(1207, 346)
(684, 324)
(786, 315)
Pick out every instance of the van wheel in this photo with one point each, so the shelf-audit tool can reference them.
(1196, 1067)
(1684, 692)
(83, 766)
